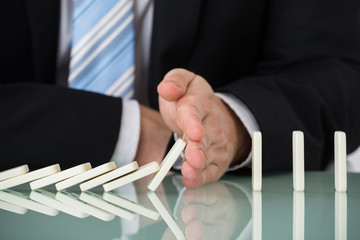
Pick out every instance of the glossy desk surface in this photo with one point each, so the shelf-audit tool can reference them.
(224, 210)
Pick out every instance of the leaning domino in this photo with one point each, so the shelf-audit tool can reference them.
(128, 168)
(298, 161)
(256, 161)
(340, 161)
(166, 164)
(14, 172)
(140, 173)
(60, 176)
(104, 168)
(31, 176)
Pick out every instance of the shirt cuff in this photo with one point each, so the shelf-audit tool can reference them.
(129, 135)
(246, 117)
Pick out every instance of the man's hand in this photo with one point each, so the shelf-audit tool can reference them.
(154, 137)
(215, 136)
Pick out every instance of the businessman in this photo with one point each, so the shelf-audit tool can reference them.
(217, 69)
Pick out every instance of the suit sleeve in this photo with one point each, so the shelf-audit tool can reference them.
(42, 124)
(308, 79)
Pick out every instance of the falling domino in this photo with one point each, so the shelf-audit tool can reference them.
(140, 173)
(14, 172)
(340, 161)
(12, 208)
(127, 204)
(60, 176)
(31, 176)
(97, 201)
(21, 200)
(128, 168)
(298, 161)
(48, 199)
(257, 161)
(166, 215)
(72, 199)
(166, 164)
(104, 168)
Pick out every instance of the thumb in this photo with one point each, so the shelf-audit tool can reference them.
(175, 84)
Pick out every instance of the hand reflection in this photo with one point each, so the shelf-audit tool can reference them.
(211, 211)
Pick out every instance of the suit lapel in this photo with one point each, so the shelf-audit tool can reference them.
(44, 27)
(174, 30)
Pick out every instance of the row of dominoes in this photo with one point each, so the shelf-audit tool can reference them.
(299, 163)
(106, 174)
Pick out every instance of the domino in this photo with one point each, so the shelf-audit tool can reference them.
(31, 176)
(127, 204)
(12, 208)
(104, 168)
(97, 201)
(14, 172)
(48, 199)
(340, 215)
(140, 173)
(21, 200)
(298, 215)
(298, 161)
(256, 161)
(72, 199)
(166, 164)
(128, 168)
(165, 215)
(46, 181)
(340, 161)
(256, 215)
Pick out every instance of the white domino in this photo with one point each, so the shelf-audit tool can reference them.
(14, 172)
(31, 176)
(72, 199)
(97, 201)
(21, 200)
(128, 168)
(256, 161)
(104, 168)
(60, 176)
(166, 164)
(298, 161)
(48, 199)
(140, 173)
(12, 208)
(127, 204)
(166, 215)
(340, 161)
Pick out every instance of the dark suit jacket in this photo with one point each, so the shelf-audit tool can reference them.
(296, 64)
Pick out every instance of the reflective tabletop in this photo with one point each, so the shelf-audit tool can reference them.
(227, 209)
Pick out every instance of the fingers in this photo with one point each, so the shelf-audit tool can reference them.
(175, 84)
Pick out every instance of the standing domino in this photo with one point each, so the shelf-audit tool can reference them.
(166, 164)
(257, 161)
(31, 176)
(46, 181)
(104, 168)
(14, 172)
(298, 161)
(340, 161)
(140, 173)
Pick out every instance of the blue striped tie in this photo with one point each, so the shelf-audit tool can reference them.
(102, 54)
